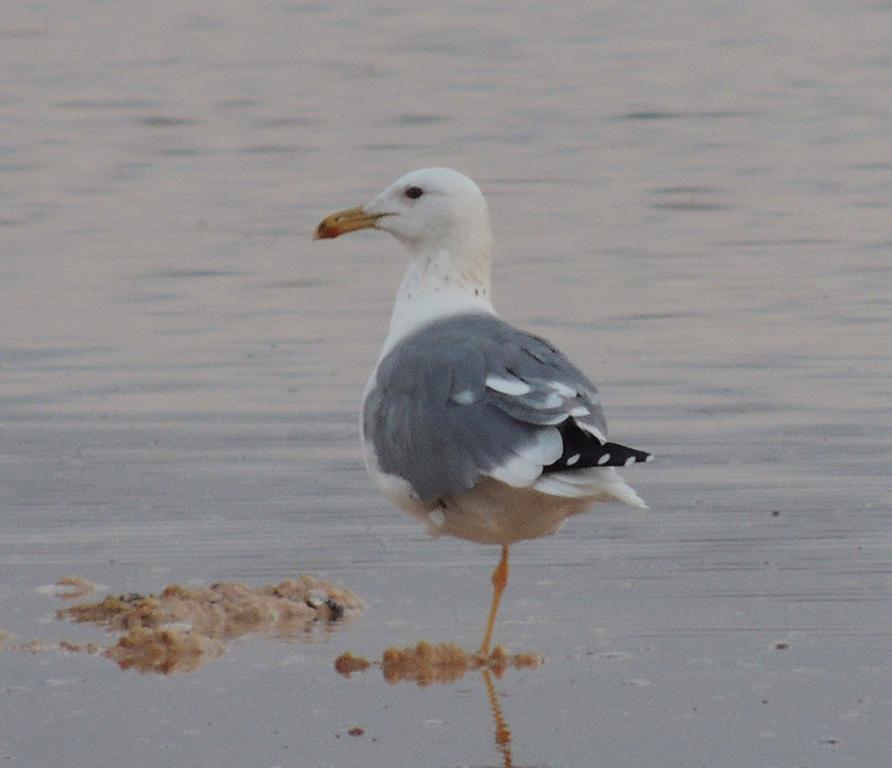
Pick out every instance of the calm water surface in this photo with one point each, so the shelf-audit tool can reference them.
(693, 200)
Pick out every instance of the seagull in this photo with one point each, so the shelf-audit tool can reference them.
(480, 430)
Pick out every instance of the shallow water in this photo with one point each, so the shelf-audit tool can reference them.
(694, 202)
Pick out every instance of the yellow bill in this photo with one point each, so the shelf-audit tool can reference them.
(345, 221)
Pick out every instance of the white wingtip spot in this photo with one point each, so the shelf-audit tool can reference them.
(604, 459)
(579, 410)
(512, 386)
(573, 459)
(437, 518)
(650, 457)
(630, 460)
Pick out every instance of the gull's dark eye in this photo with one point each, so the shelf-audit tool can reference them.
(413, 193)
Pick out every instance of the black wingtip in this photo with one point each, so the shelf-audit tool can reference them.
(623, 456)
(582, 451)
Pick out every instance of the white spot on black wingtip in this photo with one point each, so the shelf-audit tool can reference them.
(650, 457)
(630, 460)
(573, 459)
(603, 460)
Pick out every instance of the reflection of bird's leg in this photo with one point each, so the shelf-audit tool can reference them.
(499, 580)
(503, 732)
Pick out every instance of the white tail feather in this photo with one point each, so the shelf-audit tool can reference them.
(596, 483)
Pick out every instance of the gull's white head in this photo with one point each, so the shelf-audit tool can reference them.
(441, 217)
(427, 210)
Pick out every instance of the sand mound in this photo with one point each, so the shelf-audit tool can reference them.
(182, 628)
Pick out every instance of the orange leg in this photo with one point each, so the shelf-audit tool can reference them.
(499, 580)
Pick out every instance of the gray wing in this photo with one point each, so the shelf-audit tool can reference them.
(471, 396)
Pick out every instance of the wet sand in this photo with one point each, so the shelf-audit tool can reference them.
(692, 202)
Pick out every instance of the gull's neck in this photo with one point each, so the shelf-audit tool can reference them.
(440, 283)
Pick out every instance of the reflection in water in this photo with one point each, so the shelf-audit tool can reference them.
(428, 663)
(503, 732)
(183, 628)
